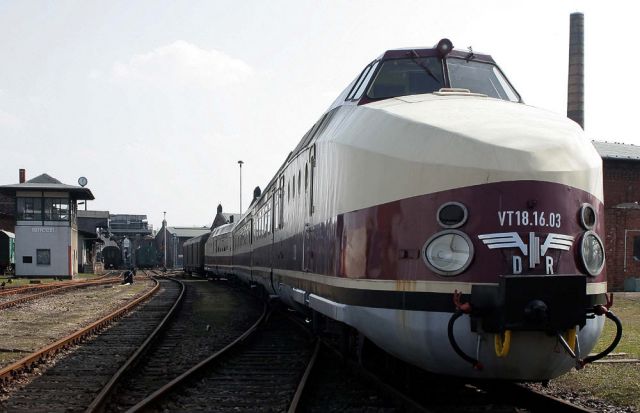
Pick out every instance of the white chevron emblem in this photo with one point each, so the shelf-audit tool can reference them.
(534, 250)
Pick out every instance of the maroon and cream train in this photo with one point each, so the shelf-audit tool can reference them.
(430, 209)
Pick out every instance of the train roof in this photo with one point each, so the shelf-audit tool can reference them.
(198, 239)
(223, 229)
(188, 232)
(443, 49)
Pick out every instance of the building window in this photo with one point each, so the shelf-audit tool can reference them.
(43, 257)
(29, 209)
(636, 248)
(56, 209)
(27, 259)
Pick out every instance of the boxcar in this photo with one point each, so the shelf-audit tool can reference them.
(193, 253)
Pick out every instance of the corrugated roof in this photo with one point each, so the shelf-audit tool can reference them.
(188, 232)
(614, 150)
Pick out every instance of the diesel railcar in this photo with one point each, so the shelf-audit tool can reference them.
(433, 211)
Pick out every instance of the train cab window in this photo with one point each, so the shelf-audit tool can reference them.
(363, 81)
(410, 76)
(480, 77)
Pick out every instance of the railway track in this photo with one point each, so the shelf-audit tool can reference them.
(72, 382)
(53, 289)
(259, 371)
(8, 291)
(211, 316)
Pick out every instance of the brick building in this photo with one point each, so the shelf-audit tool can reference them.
(621, 178)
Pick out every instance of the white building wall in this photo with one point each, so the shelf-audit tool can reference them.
(30, 238)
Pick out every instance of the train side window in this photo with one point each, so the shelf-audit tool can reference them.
(288, 192)
(281, 200)
(306, 177)
(299, 182)
(363, 85)
(294, 186)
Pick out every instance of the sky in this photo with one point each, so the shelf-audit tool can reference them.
(154, 102)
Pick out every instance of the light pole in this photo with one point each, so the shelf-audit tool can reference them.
(164, 222)
(240, 163)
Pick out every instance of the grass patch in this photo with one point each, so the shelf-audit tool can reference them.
(84, 276)
(617, 383)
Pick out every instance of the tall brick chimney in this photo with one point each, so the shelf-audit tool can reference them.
(575, 91)
(22, 176)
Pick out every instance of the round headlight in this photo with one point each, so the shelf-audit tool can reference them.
(448, 252)
(452, 215)
(587, 216)
(592, 253)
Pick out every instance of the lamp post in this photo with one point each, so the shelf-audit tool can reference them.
(164, 221)
(240, 163)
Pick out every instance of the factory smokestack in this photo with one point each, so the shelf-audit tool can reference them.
(575, 90)
(22, 176)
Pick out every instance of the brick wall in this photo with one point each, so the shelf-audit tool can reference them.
(621, 186)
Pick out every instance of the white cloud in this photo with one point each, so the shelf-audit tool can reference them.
(184, 65)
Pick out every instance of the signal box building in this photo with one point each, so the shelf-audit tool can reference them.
(46, 232)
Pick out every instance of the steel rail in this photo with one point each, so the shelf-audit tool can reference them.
(47, 286)
(24, 288)
(55, 290)
(155, 396)
(293, 406)
(98, 402)
(31, 360)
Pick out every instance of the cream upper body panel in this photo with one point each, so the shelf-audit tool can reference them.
(414, 145)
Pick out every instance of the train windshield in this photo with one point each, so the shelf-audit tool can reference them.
(480, 77)
(401, 77)
(414, 76)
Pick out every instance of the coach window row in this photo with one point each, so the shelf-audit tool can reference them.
(43, 209)
(262, 225)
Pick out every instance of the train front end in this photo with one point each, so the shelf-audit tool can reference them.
(485, 212)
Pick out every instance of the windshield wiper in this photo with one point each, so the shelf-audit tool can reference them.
(414, 58)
